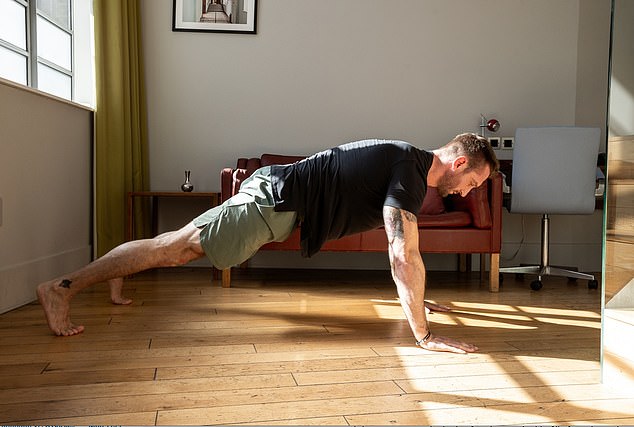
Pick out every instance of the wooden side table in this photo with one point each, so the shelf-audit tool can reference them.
(155, 196)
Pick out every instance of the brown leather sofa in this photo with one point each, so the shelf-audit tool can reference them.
(468, 225)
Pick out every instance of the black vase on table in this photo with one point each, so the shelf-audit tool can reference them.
(187, 185)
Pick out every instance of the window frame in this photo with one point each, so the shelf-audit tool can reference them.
(17, 49)
(31, 52)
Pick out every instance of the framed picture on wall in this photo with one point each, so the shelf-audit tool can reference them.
(225, 16)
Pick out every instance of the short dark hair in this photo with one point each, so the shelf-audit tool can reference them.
(476, 149)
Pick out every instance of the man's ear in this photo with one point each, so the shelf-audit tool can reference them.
(459, 162)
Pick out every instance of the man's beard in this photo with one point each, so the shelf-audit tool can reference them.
(447, 184)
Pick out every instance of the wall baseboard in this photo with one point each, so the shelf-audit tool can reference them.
(18, 282)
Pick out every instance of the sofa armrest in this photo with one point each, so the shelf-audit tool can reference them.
(226, 184)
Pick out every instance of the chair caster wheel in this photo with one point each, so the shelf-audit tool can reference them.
(593, 284)
(536, 285)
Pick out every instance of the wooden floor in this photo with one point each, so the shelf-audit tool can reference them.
(310, 348)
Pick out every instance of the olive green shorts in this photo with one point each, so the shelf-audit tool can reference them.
(234, 231)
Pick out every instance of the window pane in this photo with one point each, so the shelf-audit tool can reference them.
(53, 82)
(83, 69)
(12, 65)
(13, 23)
(53, 44)
(57, 11)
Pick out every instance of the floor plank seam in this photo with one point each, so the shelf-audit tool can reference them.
(44, 369)
(295, 379)
(399, 386)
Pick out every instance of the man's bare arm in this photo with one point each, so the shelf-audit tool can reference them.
(408, 272)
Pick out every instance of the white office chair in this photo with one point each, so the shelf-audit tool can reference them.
(554, 172)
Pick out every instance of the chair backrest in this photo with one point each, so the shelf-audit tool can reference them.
(554, 170)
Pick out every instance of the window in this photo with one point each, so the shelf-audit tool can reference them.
(47, 44)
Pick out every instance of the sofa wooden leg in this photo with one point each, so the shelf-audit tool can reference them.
(226, 278)
(494, 273)
(462, 263)
(482, 266)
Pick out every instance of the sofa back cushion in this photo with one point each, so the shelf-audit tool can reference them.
(433, 204)
(246, 167)
(278, 159)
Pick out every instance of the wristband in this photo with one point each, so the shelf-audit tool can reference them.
(424, 340)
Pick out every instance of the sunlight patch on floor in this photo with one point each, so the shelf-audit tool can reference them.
(497, 323)
(593, 324)
(388, 310)
(479, 306)
(559, 312)
(503, 316)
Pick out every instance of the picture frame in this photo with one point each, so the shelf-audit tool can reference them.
(219, 16)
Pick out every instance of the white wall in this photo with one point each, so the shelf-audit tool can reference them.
(45, 191)
(318, 74)
(622, 78)
(593, 65)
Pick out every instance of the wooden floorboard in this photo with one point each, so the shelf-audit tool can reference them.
(310, 348)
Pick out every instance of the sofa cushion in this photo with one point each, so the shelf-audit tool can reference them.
(452, 219)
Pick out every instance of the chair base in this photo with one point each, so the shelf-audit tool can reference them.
(547, 270)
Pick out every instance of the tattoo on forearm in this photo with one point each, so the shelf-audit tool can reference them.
(410, 216)
(65, 283)
(395, 224)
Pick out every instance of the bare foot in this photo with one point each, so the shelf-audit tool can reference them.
(55, 301)
(116, 288)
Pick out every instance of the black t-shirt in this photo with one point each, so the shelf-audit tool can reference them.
(342, 190)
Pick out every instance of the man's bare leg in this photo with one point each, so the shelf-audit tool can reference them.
(116, 292)
(167, 250)
(116, 285)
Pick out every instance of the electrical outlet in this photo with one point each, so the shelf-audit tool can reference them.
(508, 142)
(495, 142)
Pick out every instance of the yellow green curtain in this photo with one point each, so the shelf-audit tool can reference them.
(121, 159)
